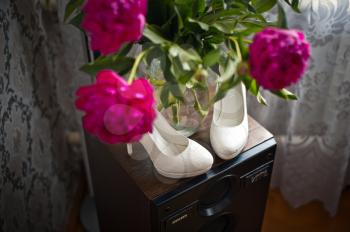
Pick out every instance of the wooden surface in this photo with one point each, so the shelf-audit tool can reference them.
(311, 217)
(141, 170)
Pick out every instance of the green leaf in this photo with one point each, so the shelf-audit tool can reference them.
(250, 84)
(245, 4)
(183, 2)
(211, 58)
(249, 30)
(184, 55)
(228, 70)
(155, 53)
(215, 38)
(76, 20)
(125, 49)
(203, 26)
(261, 99)
(258, 17)
(71, 7)
(175, 113)
(184, 9)
(122, 65)
(195, 84)
(180, 21)
(157, 82)
(227, 26)
(217, 4)
(243, 47)
(294, 4)
(254, 88)
(164, 96)
(198, 7)
(249, 24)
(285, 94)
(176, 91)
(182, 73)
(225, 86)
(153, 35)
(231, 13)
(172, 82)
(264, 5)
(281, 19)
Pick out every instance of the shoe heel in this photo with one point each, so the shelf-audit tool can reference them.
(129, 149)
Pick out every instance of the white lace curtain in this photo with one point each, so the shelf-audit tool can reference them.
(313, 133)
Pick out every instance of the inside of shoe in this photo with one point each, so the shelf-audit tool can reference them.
(229, 111)
(166, 147)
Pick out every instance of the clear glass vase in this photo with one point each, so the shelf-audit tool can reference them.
(185, 116)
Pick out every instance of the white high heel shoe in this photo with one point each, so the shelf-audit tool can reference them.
(229, 127)
(172, 154)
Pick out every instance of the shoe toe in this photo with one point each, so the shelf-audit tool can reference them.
(193, 161)
(200, 159)
(228, 142)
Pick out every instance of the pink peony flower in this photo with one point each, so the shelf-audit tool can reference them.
(110, 23)
(278, 58)
(115, 111)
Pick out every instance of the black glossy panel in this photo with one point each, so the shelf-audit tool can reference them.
(218, 196)
(220, 224)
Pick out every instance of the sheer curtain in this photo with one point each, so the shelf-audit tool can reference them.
(313, 133)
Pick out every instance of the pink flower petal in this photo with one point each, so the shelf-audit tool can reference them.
(278, 58)
(111, 23)
(121, 119)
(114, 111)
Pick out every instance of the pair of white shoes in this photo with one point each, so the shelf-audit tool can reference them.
(177, 156)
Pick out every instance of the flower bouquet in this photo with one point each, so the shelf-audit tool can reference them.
(181, 50)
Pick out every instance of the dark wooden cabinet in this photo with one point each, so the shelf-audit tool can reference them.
(131, 196)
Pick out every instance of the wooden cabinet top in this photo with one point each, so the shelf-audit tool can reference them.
(140, 168)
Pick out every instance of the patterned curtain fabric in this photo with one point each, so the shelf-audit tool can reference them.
(39, 72)
(314, 133)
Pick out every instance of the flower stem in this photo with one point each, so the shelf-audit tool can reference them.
(136, 65)
(197, 105)
(238, 50)
(176, 112)
(178, 105)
